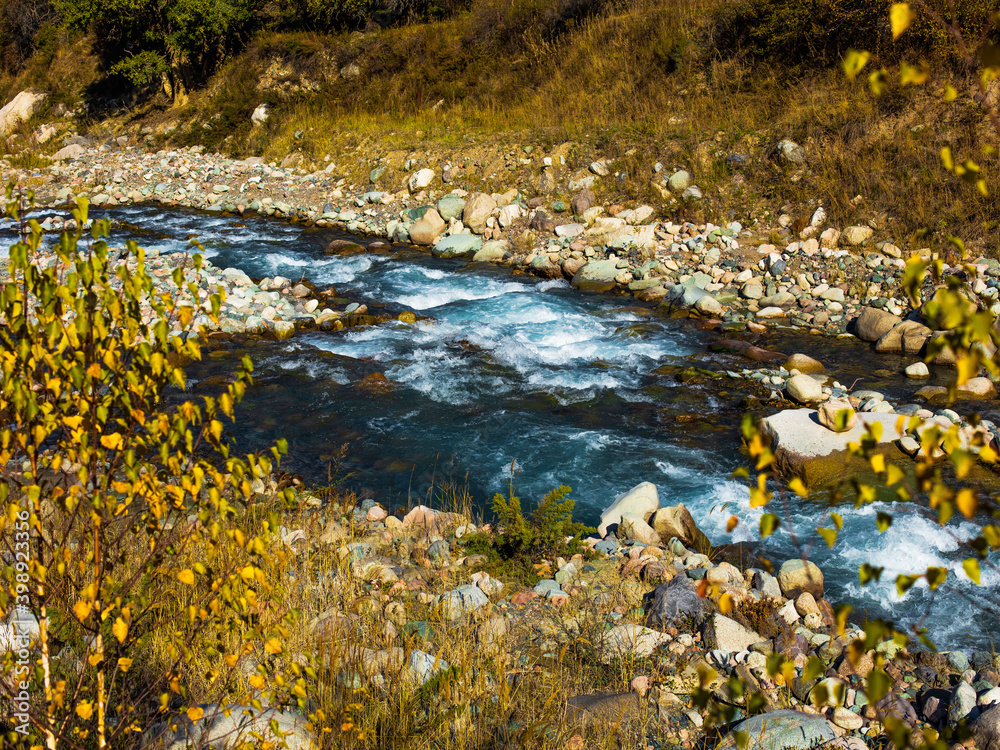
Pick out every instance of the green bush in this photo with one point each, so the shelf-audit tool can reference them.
(545, 532)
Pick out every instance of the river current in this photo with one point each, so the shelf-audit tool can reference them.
(510, 371)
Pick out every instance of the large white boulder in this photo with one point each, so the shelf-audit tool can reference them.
(22, 107)
(642, 501)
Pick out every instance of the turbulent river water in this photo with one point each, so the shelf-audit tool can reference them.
(572, 389)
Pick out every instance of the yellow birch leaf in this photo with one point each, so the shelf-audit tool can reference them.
(82, 610)
(195, 712)
(878, 463)
(120, 630)
(112, 441)
(797, 486)
(94, 370)
(900, 18)
(256, 682)
(186, 576)
(85, 709)
(231, 660)
(125, 664)
(966, 502)
(971, 567)
(273, 646)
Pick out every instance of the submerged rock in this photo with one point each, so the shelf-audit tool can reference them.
(803, 447)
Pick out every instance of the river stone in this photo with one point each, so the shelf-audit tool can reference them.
(673, 603)
(872, 324)
(753, 289)
(428, 228)
(963, 703)
(797, 576)
(462, 601)
(492, 251)
(457, 245)
(986, 729)
(856, 235)
(978, 388)
(72, 151)
(420, 179)
(630, 642)
(634, 528)
(478, 208)
(610, 709)
(709, 305)
(596, 276)
(677, 521)
(215, 728)
(641, 501)
(803, 363)
(829, 410)
(780, 730)
(908, 337)
(728, 635)
(679, 181)
(451, 207)
(917, 370)
(804, 447)
(804, 389)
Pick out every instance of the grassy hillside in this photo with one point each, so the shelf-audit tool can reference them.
(710, 85)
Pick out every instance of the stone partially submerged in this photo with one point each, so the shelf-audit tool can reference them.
(803, 447)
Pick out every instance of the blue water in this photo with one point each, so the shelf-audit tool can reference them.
(513, 372)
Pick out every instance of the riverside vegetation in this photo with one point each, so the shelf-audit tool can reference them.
(683, 641)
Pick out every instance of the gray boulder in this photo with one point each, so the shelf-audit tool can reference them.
(22, 107)
(986, 729)
(596, 276)
(780, 730)
(457, 246)
(797, 576)
(804, 389)
(728, 635)
(451, 207)
(674, 602)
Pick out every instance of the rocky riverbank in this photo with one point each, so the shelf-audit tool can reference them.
(648, 597)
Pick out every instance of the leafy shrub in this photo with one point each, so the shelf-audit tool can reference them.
(124, 536)
(545, 532)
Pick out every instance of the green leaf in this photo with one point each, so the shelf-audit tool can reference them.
(813, 669)
(769, 523)
(878, 684)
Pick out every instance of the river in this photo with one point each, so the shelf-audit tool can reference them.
(584, 390)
